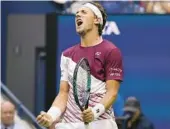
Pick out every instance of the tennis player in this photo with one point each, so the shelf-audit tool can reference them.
(106, 73)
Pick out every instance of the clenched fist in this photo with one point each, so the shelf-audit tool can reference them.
(88, 115)
(44, 119)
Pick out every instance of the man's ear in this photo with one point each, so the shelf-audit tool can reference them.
(97, 20)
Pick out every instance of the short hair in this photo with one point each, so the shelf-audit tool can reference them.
(104, 15)
(8, 102)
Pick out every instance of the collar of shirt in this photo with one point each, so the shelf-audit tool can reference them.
(7, 127)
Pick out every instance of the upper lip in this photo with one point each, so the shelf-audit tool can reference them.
(78, 20)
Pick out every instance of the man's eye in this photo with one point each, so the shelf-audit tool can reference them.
(83, 11)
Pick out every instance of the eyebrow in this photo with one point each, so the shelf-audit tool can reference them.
(82, 10)
(77, 12)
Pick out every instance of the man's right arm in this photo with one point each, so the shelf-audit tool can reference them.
(59, 105)
(60, 102)
(61, 99)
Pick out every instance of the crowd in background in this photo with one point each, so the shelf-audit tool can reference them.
(114, 7)
(121, 7)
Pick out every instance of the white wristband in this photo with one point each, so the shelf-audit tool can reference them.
(98, 110)
(54, 112)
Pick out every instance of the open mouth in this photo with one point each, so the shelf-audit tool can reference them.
(79, 22)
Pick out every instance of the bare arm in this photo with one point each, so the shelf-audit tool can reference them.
(112, 87)
(114, 75)
(46, 119)
(61, 99)
(59, 105)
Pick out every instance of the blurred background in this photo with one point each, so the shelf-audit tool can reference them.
(34, 33)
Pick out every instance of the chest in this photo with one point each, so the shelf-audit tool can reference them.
(96, 59)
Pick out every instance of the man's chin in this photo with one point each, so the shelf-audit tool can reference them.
(80, 33)
(8, 123)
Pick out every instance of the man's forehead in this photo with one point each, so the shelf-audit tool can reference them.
(6, 105)
(84, 8)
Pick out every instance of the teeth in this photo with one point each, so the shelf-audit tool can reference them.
(79, 21)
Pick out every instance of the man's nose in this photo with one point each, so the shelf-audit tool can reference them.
(9, 114)
(78, 15)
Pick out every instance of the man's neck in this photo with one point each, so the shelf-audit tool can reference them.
(90, 39)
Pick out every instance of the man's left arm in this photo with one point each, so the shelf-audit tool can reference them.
(113, 77)
(112, 88)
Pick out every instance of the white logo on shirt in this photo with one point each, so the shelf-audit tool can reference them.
(115, 72)
(98, 53)
(116, 69)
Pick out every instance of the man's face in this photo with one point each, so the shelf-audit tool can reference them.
(84, 20)
(7, 114)
(134, 115)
